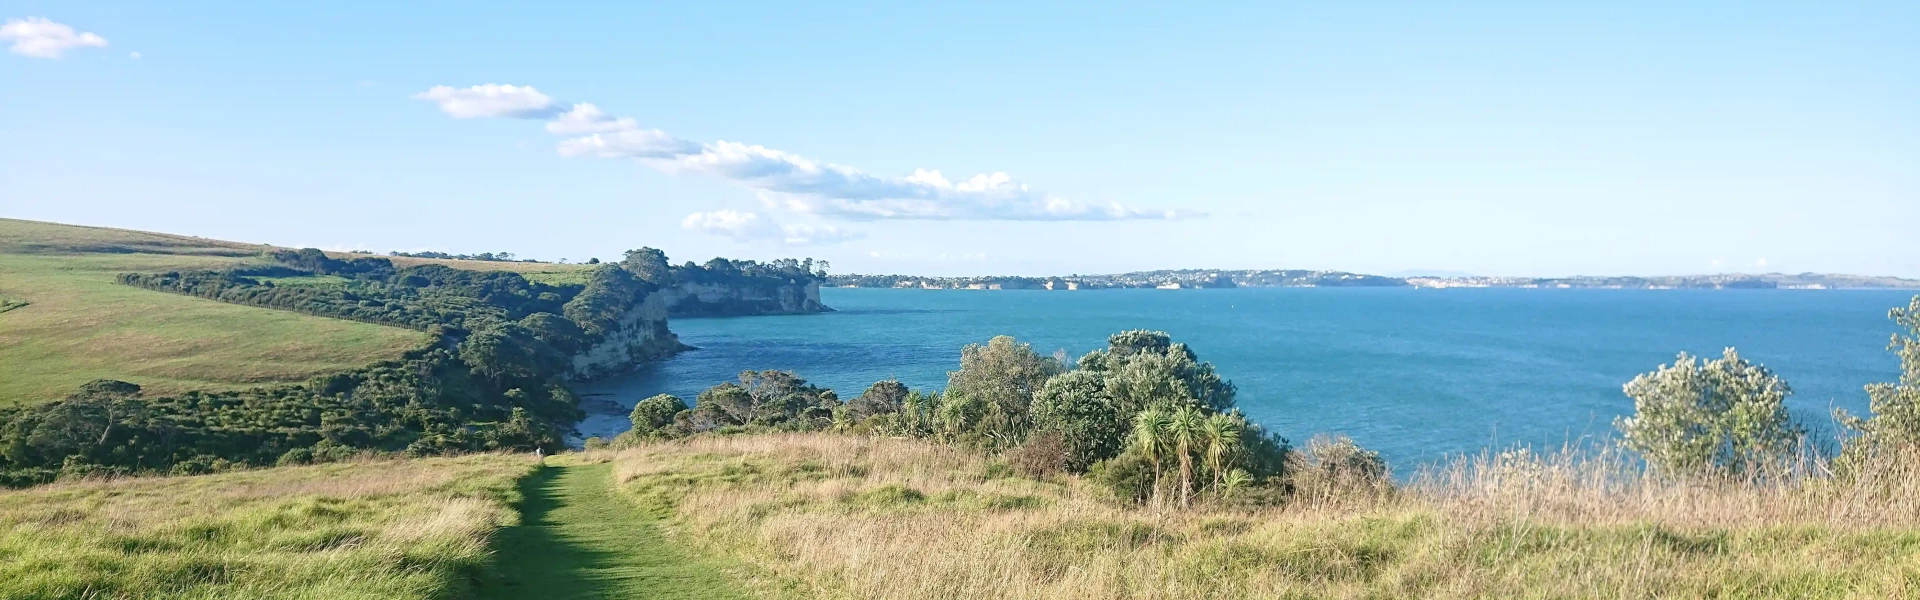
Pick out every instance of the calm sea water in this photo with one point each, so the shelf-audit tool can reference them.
(1413, 373)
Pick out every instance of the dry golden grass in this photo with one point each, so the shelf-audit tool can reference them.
(880, 518)
(375, 529)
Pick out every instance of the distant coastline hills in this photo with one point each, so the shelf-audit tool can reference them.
(1222, 278)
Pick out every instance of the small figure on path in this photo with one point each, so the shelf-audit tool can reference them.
(541, 455)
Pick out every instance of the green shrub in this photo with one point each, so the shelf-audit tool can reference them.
(1701, 417)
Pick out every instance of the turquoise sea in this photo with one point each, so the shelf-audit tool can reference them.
(1414, 373)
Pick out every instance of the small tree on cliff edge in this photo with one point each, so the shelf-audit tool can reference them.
(648, 264)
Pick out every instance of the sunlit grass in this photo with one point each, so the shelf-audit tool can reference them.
(884, 518)
(78, 325)
(377, 529)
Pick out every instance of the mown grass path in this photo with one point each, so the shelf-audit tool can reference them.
(579, 539)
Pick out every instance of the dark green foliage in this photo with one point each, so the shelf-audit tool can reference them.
(609, 292)
(418, 297)
(884, 397)
(556, 331)
(316, 261)
(987, 399)
(654, 413)
(511, 356)
(762, 400)
(648, 264)
(1075, 408)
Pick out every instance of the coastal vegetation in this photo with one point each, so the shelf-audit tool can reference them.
(1127, 472)
(485, 367)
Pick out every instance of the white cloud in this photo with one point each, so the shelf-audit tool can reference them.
(799, 184)
(801, 234)
(491, 100)
(133, 55)
(750, 227)
(787, 181)
(1760, 263)
(41, 38)
(638, 143)
(587, 118)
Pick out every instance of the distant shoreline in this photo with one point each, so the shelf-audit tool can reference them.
(1206, 279)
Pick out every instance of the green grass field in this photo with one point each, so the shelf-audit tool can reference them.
(78, 325)
(379, 529)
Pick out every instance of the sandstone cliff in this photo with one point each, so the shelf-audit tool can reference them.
(638, 336)
(743, 297)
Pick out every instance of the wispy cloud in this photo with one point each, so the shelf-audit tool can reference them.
(39, 37)
(788, 181)
(751, 227)
(491, 100)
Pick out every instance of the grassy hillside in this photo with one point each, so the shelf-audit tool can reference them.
(885, 518)
(77, 325)
(380, 529)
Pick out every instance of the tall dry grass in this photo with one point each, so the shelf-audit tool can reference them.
(882, 518)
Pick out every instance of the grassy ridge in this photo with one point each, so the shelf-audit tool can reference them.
(79, 326)
(884, 518)
(379, 529)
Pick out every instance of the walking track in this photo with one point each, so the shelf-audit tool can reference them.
(578, 538)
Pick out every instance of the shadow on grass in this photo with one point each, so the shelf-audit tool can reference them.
(578, 539)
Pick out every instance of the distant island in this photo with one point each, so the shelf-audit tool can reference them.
(1223, 278)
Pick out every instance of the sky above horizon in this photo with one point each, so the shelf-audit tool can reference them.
(1021, 138)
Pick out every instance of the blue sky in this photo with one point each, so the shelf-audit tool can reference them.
(1496, 138)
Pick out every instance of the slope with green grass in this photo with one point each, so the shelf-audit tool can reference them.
(580, 538)
(77, 325)
(380, 529)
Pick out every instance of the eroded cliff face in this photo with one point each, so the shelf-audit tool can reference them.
(641, 335)
(694, 299)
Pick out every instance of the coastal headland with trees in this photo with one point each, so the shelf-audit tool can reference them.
(438, 468)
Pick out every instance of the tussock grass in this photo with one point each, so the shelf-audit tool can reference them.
(882, 518)
(376, 529)
(79, 325)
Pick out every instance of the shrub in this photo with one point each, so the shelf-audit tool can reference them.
(1700, 417)
(1334, 467)
(653, 414)
(1129, 477)
(1042, 455)
(1894, 426)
